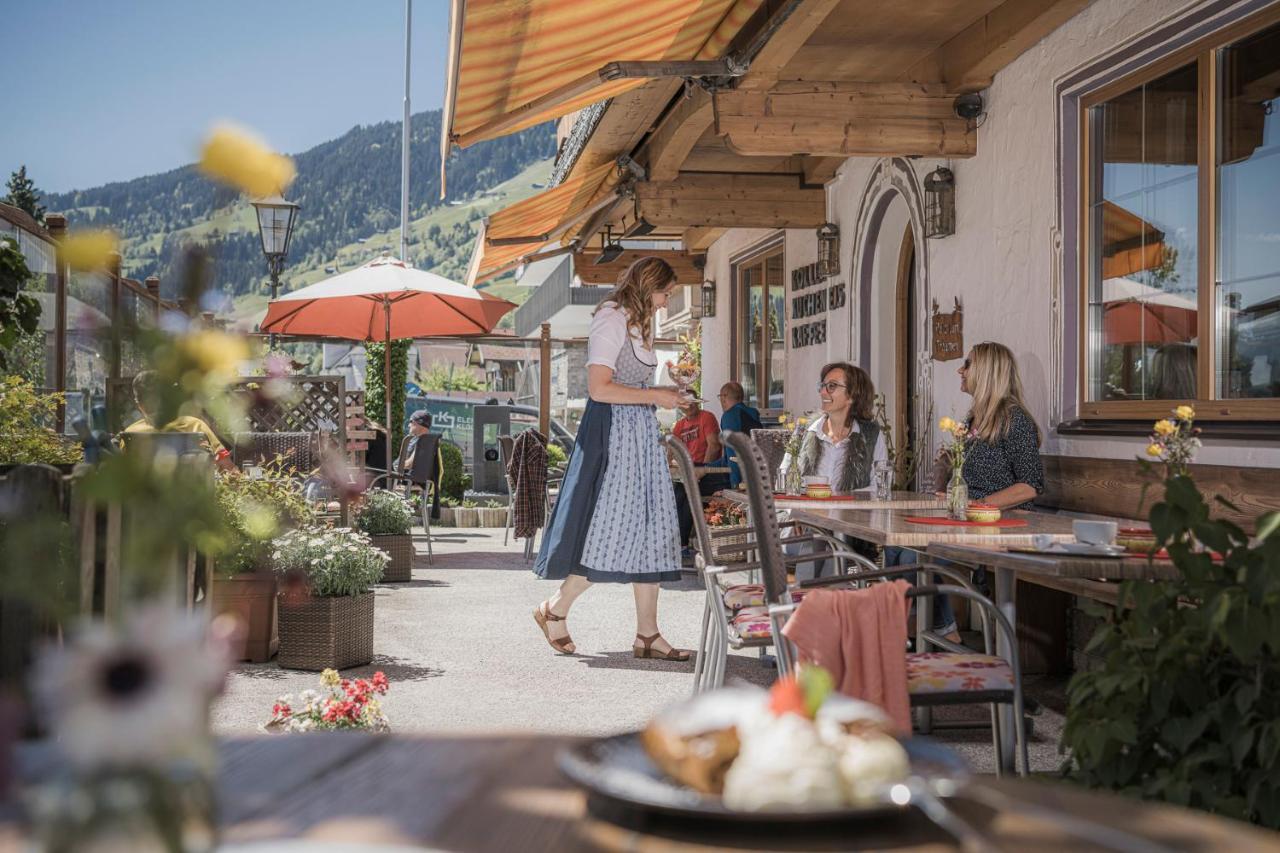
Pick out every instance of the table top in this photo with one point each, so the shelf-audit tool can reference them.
(863, 501)
(890, 527)
(1055, 565)
(501, 793)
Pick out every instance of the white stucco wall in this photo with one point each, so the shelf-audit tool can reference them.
(1001, 261)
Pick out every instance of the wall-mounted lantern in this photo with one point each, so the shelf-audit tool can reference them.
(708, 298)
(940, 203)
(828, 250)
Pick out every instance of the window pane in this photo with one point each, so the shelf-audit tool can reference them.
(750, 340)
(777, 330)
(1248, 292)
(88, 348)
(1144, 216)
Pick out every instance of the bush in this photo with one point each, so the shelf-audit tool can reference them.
(452, 478)
(25, 435)
(1186, 705)
(256, 511)
(384, 513)
(556, 455)
(333, 561)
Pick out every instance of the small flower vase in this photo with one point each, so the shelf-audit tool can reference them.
(794, 484)
(957, 495)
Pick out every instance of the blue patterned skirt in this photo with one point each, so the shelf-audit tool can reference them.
(615, 519)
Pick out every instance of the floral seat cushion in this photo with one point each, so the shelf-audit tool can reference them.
(944, 672)
(751, 623)
(751, 595)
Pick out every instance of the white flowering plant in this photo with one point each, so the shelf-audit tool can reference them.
(384, 513)
(331, 561)
(343, 703)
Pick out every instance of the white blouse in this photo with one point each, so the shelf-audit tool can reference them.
(609, 333)
(831, 459)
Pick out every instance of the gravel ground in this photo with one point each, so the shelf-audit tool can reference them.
(462, 651)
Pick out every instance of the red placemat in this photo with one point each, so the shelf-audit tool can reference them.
(779, 496)
(951, 522)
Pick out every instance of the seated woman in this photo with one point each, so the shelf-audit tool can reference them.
(845, 442)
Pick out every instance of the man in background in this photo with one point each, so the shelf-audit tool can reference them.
(700, 433)
(737, 417)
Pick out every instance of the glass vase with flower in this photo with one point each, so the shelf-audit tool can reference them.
(957, 494)
(792, 481)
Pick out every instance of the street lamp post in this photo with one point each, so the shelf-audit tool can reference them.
(276, 218)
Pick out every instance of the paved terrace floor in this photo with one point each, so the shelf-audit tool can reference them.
(462, 651)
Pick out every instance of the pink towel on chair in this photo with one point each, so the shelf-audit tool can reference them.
(860, 637)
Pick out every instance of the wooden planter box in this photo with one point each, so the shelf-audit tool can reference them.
(399, 547)
(465, 517)
(251, 598)
(320, 633)
(492, 516)
(446, 517)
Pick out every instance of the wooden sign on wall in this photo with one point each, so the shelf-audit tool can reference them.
(948, 333)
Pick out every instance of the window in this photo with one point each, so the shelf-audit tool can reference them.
(760, 335)
(1182, 225)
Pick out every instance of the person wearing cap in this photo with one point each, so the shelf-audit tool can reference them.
(419, 425)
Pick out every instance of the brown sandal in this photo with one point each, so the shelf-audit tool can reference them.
(542, 615)
(647, 650)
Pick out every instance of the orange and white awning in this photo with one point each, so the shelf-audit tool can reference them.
(515, 63)
(526, 226)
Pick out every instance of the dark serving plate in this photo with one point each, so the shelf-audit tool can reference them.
(618, 769)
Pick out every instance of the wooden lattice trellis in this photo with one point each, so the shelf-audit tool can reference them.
(318, 404)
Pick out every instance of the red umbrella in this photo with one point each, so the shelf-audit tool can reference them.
(1147, 323)
(385, 300)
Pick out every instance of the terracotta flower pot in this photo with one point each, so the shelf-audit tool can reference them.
(251, 598)
(326, 632)
(399, 547)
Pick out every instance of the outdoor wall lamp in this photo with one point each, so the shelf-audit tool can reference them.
(828, 250)
(940, 203)
(708, 298)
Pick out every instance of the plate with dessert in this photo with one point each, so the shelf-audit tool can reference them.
(796, 753)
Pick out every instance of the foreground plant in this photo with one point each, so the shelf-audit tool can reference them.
(343, 704)
(328, 562)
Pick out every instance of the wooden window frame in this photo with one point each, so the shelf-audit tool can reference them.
(1205, 53)
(756, 255)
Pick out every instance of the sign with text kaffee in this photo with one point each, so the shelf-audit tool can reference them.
(948, 333)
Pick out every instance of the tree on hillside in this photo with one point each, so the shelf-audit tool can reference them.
(24, 195)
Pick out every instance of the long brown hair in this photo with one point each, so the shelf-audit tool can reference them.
(997, 391)
(635, 287)
(860, 387)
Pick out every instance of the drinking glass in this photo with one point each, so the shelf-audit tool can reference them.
(881, 481)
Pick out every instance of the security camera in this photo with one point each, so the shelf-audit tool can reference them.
(968, 107)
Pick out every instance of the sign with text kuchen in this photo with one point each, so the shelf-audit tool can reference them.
(948, 333)
(810, 298)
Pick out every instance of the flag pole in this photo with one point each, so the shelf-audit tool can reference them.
(404, 139)
(386, 375)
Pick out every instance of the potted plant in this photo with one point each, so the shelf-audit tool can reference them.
(386, 518)
(492, 514)
(326, 605)
(243, 583)
(464, 515)
(447, 506)
(342, 704)
(723, 516)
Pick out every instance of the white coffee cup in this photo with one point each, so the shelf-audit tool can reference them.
(1095, 532)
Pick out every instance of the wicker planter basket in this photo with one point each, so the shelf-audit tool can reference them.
(465, 517)
(326, 632)
(251, 598)
(399, 547)
(728, 542)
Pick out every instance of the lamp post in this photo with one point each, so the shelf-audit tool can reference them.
(276, 218)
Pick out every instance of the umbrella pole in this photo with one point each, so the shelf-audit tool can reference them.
(386, 376)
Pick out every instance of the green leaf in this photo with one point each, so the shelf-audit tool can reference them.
(1268, 524)
(1180, 732)
(1241, 744)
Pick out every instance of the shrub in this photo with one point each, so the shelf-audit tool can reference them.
(384, 513)
(451, 478)
(256, 511)
(25, 435)
(1186, 705)
(333, 561)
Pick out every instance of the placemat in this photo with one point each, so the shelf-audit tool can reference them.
(951, 522)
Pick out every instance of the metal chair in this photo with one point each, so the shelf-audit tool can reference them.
(301, 450)
(422, 475)
(773, 447)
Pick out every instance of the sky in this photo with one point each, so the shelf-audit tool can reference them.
(109, 91)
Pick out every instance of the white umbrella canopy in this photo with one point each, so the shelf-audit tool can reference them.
(385, 300)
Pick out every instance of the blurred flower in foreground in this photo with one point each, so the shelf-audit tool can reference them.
(86, 251)
(137, 694)
(214, 352)
(236, 157)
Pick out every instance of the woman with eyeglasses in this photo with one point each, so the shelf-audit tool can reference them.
(845, 443)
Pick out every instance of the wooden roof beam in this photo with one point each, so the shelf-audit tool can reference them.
(732, 201)
(701, 237)
(969, 60)
(785, 42)
(839, 119)
(687, 265)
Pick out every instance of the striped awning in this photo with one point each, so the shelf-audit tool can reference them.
(515, 63)
(526, 226)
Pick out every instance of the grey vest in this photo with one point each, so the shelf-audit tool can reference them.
(855, 473)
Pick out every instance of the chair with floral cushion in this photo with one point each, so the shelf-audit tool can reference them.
(735, 615)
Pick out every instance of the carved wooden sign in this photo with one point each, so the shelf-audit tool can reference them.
(948, 333)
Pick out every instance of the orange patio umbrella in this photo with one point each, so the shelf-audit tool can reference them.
(385, 300)
(1137, 313)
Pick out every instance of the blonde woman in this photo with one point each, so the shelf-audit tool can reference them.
(1002, 461)
(615, 520)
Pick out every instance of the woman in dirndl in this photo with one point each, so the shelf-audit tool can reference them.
(615, 520)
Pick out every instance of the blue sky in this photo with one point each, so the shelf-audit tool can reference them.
(108, 91)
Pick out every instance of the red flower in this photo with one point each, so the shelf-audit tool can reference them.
(380, 683)
(280, 711)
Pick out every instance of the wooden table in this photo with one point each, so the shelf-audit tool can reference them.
(898, 500)
(504, 793)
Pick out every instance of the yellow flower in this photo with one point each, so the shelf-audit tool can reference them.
(214, 352)
(1185, 413)
(802, 421)
(1154, 450)
(236, 157)
(1166, 427)
(86, 251)
(783, 418)
(947, 425)
(330, 678)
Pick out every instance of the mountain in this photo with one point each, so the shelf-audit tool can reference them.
(349, 190)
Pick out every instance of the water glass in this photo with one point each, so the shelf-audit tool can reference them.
(881, 481)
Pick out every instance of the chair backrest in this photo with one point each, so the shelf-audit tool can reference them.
(425, 459)
(692, 491)
(763, 513)
(298, 449)
(773, 446)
